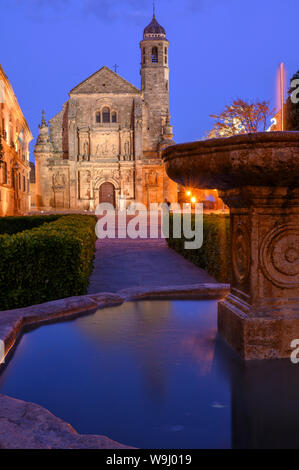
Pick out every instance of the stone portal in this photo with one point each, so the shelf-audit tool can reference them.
(107, 193)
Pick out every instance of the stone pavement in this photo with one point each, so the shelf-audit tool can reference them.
(124, 263)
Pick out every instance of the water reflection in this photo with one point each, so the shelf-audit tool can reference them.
(264, 402)
(155, 375)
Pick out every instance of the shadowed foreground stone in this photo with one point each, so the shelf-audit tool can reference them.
(258, 178)
(26, 425)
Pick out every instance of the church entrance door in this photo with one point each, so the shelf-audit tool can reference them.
(107, 193)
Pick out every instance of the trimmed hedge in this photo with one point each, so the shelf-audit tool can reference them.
(49, 262)
(15, 224)
(214, 255)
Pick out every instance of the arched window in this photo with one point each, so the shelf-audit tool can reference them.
(155, 54)
(144, 55)
(113, 117)
(106, 115)
(98, 117)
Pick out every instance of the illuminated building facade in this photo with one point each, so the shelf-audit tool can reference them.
(15, 136)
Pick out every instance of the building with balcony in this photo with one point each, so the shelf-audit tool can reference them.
(15, 136)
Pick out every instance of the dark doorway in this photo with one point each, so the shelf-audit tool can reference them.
(107, 193)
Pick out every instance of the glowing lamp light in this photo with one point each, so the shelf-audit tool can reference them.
(280, 92)
(193, 200)
(188, 193)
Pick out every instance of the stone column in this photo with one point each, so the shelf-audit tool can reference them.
(261, 315)
(92, 201)
(257, 176)
(138, 126)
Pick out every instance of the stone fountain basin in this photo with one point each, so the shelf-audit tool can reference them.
(259, 159)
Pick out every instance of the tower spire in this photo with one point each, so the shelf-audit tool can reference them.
(43, 123)
(154, 8)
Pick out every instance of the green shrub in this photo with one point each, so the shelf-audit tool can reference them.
(15, 224)
(49, 262)
(214, 255)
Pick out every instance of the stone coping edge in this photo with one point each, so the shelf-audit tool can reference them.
(12, 322)
(25, 425)
(235, 142)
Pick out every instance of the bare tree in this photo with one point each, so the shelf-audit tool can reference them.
(241, 117)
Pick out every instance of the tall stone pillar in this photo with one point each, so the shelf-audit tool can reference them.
(138, 123)
(42, 152)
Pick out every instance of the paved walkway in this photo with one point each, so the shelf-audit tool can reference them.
(123, 263)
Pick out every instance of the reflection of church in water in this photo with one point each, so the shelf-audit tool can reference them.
(106, 142)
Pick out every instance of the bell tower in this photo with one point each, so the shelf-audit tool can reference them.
(154, 84)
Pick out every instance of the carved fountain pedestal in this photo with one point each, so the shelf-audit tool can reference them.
(257, 176)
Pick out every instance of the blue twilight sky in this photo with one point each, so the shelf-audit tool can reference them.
(219, 50)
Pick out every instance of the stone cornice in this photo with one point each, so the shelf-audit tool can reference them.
(12, 96)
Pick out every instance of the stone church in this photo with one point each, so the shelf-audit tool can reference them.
(105, 144)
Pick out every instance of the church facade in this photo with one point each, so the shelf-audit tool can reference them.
(105, 144)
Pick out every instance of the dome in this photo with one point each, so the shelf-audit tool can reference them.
(154, 30)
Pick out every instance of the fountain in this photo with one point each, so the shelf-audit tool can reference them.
(257, 176)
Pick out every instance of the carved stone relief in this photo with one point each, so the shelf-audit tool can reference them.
(59, 181)
(151, 178)
(85, 179)
(279, 256)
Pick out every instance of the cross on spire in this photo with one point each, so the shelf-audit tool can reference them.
(43, 123)
(115, 66)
